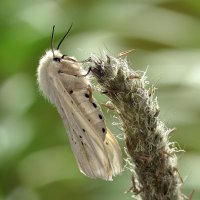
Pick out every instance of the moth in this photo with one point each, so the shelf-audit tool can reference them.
(63, 81)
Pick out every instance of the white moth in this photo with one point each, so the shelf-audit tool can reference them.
(62, 80)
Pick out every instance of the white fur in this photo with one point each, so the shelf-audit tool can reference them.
(97, 152)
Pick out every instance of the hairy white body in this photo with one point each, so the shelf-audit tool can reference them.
(61, 80)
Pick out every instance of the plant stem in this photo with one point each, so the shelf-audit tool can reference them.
(155, 174)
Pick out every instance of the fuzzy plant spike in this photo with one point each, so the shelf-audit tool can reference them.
(155, 175)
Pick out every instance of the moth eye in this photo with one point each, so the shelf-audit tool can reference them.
(56, 59)
(94, 105)
(100, 117)
(103, 130)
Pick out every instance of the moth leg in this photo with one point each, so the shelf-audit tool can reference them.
(84, 74)
(108, 105)
(89, 89)
(87, 72)
(85, 61)
(104, 92)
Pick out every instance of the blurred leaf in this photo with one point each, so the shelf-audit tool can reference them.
(36, 161)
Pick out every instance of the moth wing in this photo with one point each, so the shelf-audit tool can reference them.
(87, 105)
(114, 153)
(88, 147)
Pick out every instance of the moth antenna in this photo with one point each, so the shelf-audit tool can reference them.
(64, 36)
(52, 38)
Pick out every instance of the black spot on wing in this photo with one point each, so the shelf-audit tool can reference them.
(103, 130)
(71, 91)
(94, 104)
(100, 116)
(86, 95)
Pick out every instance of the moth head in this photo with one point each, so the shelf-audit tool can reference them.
(52, 64)
(54, 56)
(57, 56)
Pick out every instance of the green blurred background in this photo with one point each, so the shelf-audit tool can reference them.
(36, 162)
